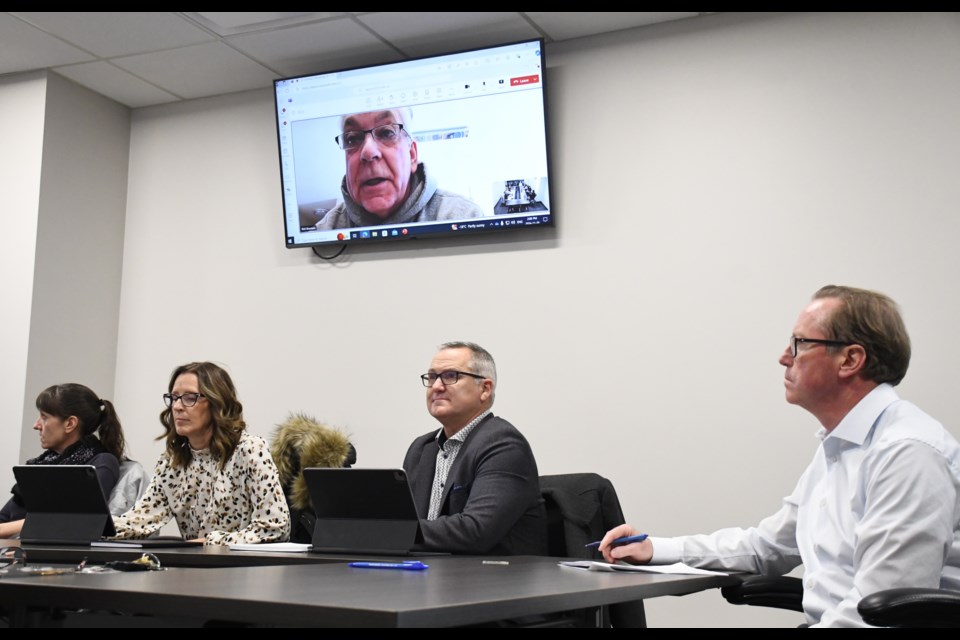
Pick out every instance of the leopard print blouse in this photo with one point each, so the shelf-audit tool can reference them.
(243, 503)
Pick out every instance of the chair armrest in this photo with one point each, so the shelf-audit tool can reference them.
(779, 592)
(911, 608)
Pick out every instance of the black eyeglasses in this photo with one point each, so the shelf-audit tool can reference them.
(446, 377)
(11, 556)
(188, 399)
(794, 340)
(386, 135)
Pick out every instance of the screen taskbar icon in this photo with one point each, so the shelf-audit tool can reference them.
(371, 234)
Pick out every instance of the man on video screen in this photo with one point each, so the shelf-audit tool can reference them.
(384, 182)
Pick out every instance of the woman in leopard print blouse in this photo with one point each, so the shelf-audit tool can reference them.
(218, 481)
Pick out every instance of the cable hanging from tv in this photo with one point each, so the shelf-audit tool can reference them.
(343, 248)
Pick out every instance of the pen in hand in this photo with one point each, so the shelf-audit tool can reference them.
(618, 541)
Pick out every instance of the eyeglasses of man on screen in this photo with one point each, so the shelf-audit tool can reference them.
(379, 165)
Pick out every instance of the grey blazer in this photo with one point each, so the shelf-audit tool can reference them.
(491, 501)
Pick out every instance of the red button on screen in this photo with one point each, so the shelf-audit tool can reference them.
(525, 80)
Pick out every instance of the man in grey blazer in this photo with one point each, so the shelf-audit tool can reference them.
(475, 481)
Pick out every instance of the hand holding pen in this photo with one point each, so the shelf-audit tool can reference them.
(625, 543)
(618, 541)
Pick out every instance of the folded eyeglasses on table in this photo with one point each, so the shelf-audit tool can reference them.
(13, 562)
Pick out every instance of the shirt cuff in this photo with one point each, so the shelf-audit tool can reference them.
(666, 550)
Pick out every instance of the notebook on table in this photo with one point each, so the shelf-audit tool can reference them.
(362, 511)
(65, 504)
(161, 542)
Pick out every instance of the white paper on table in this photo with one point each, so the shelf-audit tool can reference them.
(274, 547)
(677, 568)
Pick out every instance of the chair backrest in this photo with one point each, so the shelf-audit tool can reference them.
(581, 507)
(300, 442)
(131, 484)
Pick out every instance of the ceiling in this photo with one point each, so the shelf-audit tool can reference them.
(142, 59)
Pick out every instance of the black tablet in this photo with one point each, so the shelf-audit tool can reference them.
(362, 510)
(65, 504)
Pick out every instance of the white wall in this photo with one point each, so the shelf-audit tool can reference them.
(78, 265)
(63, 172)
(21, 130)
(751, 159)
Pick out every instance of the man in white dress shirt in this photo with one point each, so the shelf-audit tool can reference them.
(879, 505)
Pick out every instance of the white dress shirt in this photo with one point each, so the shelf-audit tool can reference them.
(877, 508)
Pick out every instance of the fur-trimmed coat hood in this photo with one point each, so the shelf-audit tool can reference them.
(302, 442)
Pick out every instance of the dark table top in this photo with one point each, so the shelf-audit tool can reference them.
(455, 590)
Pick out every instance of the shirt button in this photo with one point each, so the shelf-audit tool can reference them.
(441, 485)
(444, 456)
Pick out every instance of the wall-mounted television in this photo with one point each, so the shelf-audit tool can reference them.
(440, 146)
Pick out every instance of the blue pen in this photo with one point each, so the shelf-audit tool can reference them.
(407, 565)
(619, 541)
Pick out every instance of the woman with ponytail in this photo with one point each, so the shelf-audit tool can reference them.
(76, 427)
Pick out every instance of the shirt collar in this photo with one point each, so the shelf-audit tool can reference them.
(856, 425)
(461, 435)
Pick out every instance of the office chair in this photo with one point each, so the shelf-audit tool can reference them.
(130, 487)
(902, 607)
(914, 607)
(581, 508)
(299, 442)
(778, 592)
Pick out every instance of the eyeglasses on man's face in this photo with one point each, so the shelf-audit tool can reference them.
(386, 135)
(187, 399)
(794, 341)
(446, 377)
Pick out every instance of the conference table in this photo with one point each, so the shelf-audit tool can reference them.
(323, 591)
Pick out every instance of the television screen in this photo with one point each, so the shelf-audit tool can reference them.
(446, 145)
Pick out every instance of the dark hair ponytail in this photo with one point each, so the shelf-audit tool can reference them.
(94, 415)
(110, 431)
